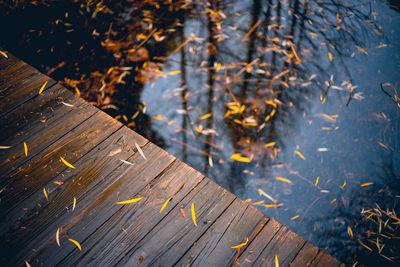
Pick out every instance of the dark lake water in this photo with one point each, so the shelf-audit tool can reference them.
(291, 105)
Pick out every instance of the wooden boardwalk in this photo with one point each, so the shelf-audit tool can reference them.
(38, 190)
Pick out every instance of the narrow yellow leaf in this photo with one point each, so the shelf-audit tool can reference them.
(5, 147)
(76, 243)
(174, 72)
(218, 67)
(258, 203)
(67, 163)
(362, 50)
(165, 204)
(344, 184)
(206, 116)
(26, 149)
(74, 204)
(316, 181)
(333, 201)
(242, 244)
(300, 155)
(366, 184)
(276, 261)
(270, 144)
(58, 237)
(313, 34)
(283, 179)
(331, 118)
(45, 193)
(158, 117)
(193, 215)
(349, 231)
(294, 217)
(330, 56)
(133, 200)
(238, 157)
(383, 145)
(42, 88)
(365, 246)
(4, 54)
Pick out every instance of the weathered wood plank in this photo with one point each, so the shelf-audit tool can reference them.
(99, 204)
(306, 255)
(131, 223)
(46, 164)
(176, 233)
(39, 134)
(240, 222)
(323, 259)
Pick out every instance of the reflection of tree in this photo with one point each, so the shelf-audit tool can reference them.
(384, 193)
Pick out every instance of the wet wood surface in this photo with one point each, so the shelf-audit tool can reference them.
(38, 192)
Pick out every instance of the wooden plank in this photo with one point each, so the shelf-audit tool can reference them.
(306, 255)
(285, 245)
(240, 222)
(47, 164)
(131, 223)
(257, 245)
(179, 234)
(40, 133)
(97, 206)
(21, 91)
(35, 109)
(323, 259)
(36, 215)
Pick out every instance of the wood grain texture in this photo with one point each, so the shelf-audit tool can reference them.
(111, 234)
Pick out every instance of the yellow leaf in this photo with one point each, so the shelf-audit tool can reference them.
(133, 200)
(365, 246)
(313, 34)
(300, 155)
(193, 215)
(331, 118)
(158, 117)
(206, 116)
(258, 202)
(76, 243)
(5, 147)
(45, 193)
(174, 72)
(41, 88)
(238, 157)
(333, 200)
(330, 56)
(294, 217)
(383, 145)
(270, 144)
(67, 163)
(344, 184)
(362, 50)
(74, 204)
(218, 67)
(242, 244)
(26, 149)
(276, 40)
(316, 181)
(58, 237)
(165, 204)
(326, 128)
(276, 261)
(4, 54)
(283, 179)
(366, 184)
(349, 231)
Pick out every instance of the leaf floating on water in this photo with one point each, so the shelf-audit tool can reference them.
(316, 181)
(365, 246)
(300, 155)
(294, 217)
(322, 149)
(45, 193)
(242, 244)
(127, 162)
(193, 215)
(276, 261)
(283, 179)
(366, 184)
(76, 243)
(362, 50)
(206, 116)
(67, 163)
(140, 151)
(258, 203)
(3, 54)
(133, 200)
(5, 147)
(158, 117)
(74, 204)
(330, 56)
(344, 184)
(165, 204)
(239, 158)
(333, 201)
(349, 231)
(383, 145)
(43, 86)
(26, 149)
(68, 105)
(270, 144)
(58, 237)
(331, 118)
(273, 205)
(27, 264)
